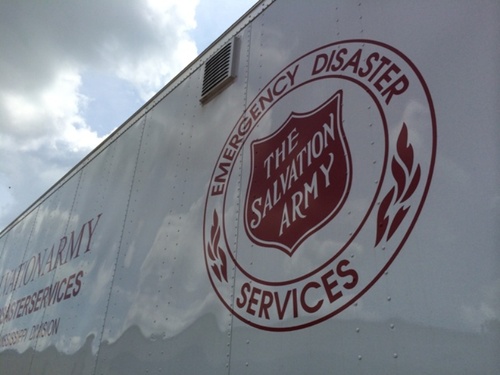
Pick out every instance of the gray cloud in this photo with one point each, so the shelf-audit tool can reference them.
(51, 47)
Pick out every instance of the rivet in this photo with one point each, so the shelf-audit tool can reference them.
(395, 355)
(360, 358)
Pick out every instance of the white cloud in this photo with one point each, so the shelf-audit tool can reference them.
(485, 314)
(50, 116)
(52, 46)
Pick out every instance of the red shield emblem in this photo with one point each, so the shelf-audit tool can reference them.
(300, 177)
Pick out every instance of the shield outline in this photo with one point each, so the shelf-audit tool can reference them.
(337, 96)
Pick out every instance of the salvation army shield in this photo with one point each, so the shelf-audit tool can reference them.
(300, 177)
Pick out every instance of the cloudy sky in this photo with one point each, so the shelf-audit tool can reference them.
(72, 71)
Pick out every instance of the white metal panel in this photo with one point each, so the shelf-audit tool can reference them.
(161, 301)
(37, 271)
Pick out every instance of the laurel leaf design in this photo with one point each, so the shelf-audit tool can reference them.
(210, 252)
(402, 173)
(216, 253)
(223, 266)
(405, 150)
(399, 176)
(413, 185)
(382, 218)
(215, 225)
(216, 238)
(216, 271)
(398, 218)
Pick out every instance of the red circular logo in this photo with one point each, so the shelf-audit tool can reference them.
(319, 185)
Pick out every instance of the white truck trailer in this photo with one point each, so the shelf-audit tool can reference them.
(317, 193)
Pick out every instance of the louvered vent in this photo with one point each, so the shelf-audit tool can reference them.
(219, 71)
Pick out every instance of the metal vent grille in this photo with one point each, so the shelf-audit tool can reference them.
(218, 72)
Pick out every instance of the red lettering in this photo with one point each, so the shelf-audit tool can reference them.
(217, 190)
(235, 141)
(255, 111)
(60, 288)
(353, 61)
(59, 256)
(369, 66)
(31, 307)
(74, 249)
(229, 154)
(397, 87)
(46, 296)
(266, 303)
(39, 299)
(221, 179)
(305, 306)
(266, 99)
(223, 176)
(282, 309)
(386, 76)
(20, 307)
(383, 62)
(244, 289)
(329, 286)
(69, 286)
(244, 126)
(340, 59)
(91, 231)
(78, 283)
(347, 273)
(277, 91)
(320, 63)
(253, 300)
